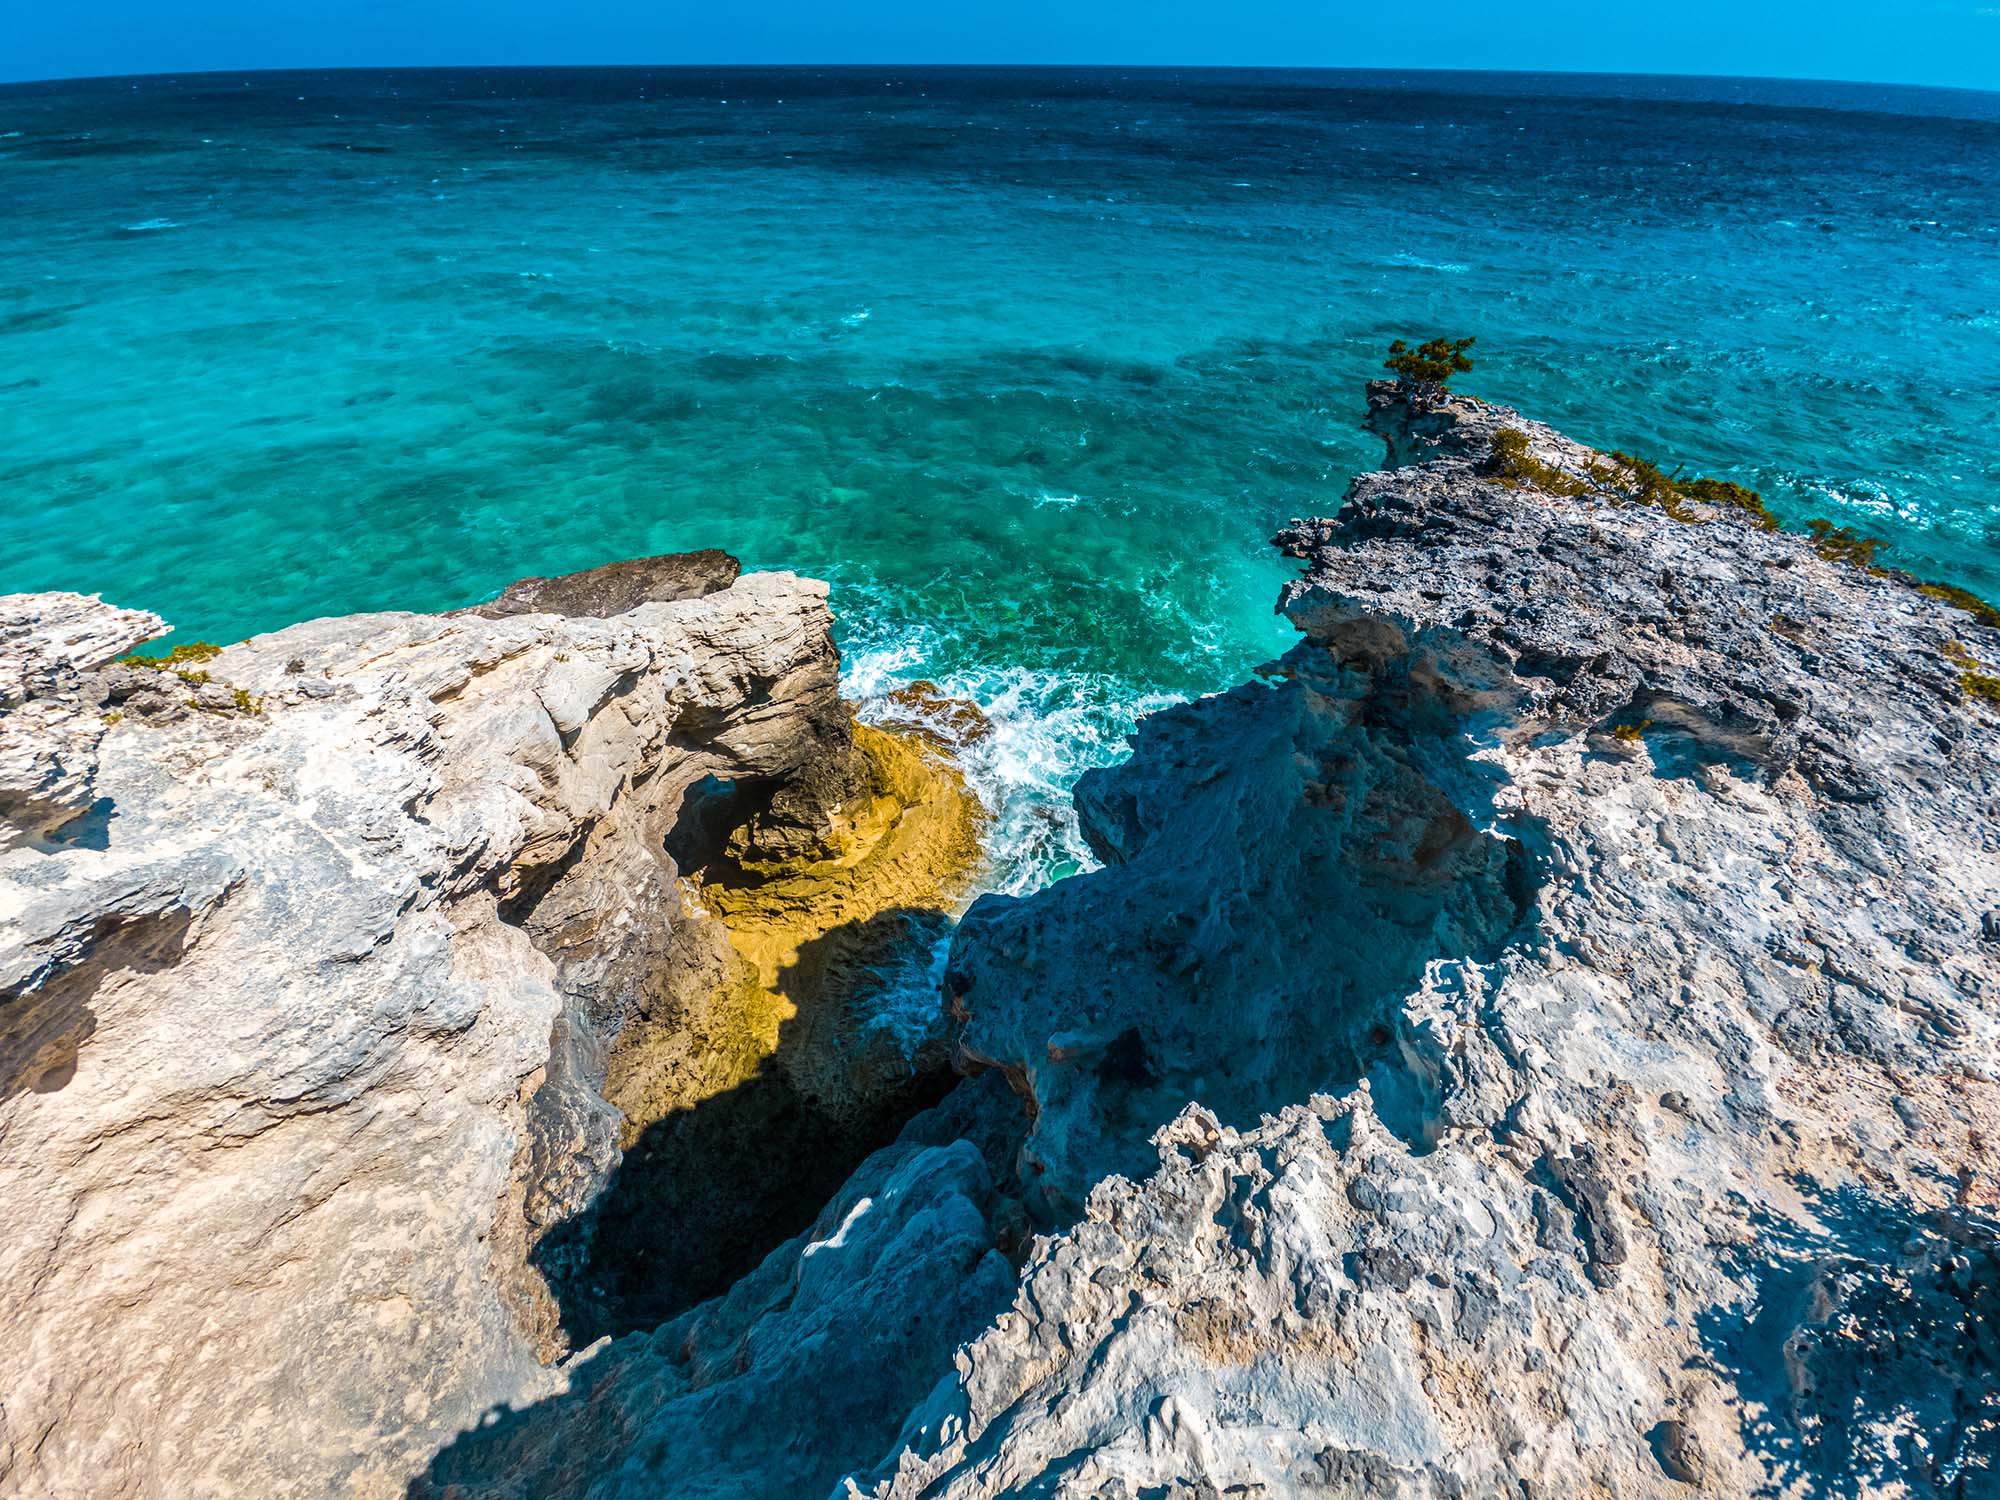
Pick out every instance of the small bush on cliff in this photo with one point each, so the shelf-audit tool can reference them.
(1959, 598)
(1972, 681)
(1431, 364)
(180, 661)
(1646, 483)
(1844, 543)
(181, 656)
(1728, 492)
(1513, 465)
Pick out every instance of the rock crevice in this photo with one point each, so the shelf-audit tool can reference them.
(315, 953)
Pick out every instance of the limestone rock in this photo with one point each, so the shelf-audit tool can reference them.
(1536, 1042)
(1572, 971)
(303, 1025)
(49, 734)
(815, 1354)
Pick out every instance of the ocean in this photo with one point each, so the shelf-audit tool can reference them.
(1028, 363)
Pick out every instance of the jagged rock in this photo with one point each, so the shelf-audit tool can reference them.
(303, 1025)
(1677, 1172)
(49, 733)
(1537, 1043)
(816, 1354)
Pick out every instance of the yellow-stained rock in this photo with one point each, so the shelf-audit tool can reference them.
(805, 936)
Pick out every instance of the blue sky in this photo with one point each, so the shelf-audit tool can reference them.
(1955, 42)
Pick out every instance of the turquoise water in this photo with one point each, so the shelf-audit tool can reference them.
(1028, 364)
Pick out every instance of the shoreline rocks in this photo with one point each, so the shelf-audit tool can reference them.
(306, 1008)
(1683, 1179)
(1536, 1041)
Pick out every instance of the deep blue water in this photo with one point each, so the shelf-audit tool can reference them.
(1028, 363)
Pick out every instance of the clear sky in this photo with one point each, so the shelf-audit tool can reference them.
(1954, 42)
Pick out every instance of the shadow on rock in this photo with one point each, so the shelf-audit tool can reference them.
(1285, 868)
(811, 1365)
(1868, 1359)
(705, 1193)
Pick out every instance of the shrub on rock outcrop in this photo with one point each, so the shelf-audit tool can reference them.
(1964, 599)
(1430, 366)
(1844, 543)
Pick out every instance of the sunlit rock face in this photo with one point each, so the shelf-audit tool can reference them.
(1535, 1041)
(1562, 1007)
(313, 952)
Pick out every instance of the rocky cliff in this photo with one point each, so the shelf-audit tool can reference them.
(1567, 996)
(315, 954)
(1537, 1041)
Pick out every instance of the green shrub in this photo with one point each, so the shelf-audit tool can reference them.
(1646, 483)
(1972, 680)
(1728, 492)
(1959, 598)
(1431, 363)
(180, 656)
(1844, 543)
(1514, 466)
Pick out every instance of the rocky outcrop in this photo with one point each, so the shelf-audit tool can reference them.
(1577, 972)
(1538, 1041)
(49, 734)
(313, 955)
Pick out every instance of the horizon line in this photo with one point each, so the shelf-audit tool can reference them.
(1073, 67)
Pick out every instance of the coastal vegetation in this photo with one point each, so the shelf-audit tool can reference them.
(1431, 363)
(1513, 465)
(184, 662)
(1629, 479)
(1425, 372)
(180, 657)
(1843, 544)
(1973, 680)
(1963, 599)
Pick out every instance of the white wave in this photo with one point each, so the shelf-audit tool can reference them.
(145, 224)
(1046, 728)
(1417, 262)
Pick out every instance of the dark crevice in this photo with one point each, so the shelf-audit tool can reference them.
(705, 1192)
(704, 1196)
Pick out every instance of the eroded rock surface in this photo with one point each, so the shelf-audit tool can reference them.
(1677, 1173)
(1539, 1041)
(310, 961)
(49, 728)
